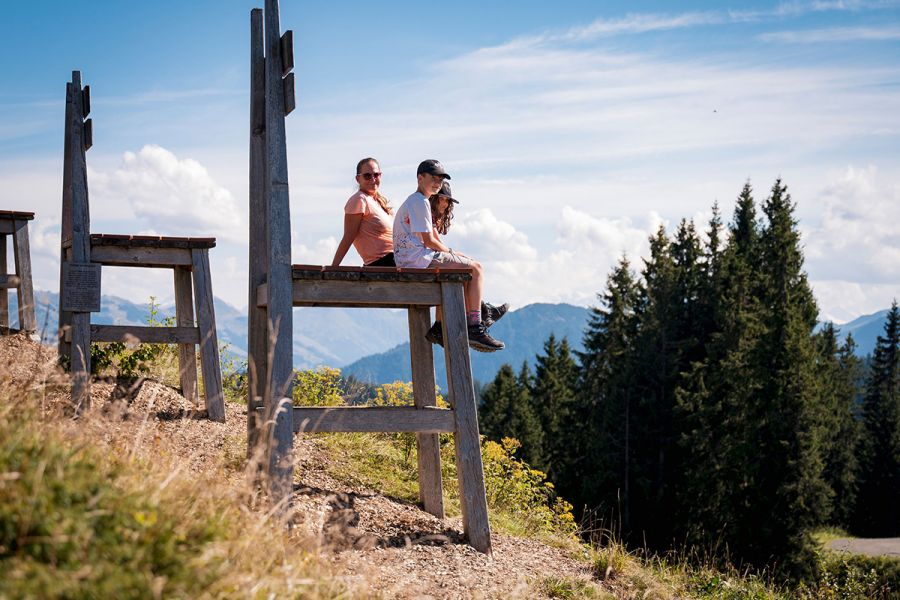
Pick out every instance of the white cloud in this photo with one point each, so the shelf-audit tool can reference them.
(166, 194)
(485, 237)
(833, 34)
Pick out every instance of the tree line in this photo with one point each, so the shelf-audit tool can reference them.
(707, 409)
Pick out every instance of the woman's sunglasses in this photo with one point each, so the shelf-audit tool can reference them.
(370, 176)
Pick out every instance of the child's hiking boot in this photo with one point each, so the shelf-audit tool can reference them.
(435, 335)
(490, 314)
(481, 340)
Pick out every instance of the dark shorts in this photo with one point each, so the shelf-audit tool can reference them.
(385, 261)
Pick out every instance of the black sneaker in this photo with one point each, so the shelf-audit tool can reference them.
(481, 340)
(435, 335)
(490, 314)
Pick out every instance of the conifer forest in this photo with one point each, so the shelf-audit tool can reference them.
(710, 409)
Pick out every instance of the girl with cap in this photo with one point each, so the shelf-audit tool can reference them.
(368, 220)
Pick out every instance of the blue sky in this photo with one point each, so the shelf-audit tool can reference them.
(572, 129)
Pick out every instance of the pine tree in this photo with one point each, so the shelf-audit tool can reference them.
(600, 467)
(553, 394)
(839, 374)
(877, 512)
(790, 493)
(506, 411)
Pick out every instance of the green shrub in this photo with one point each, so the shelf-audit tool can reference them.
(127, 359)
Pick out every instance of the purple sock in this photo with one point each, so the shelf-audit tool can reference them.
(473, 317)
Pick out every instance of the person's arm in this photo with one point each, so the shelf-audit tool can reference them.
(432, 241)
(351, 228)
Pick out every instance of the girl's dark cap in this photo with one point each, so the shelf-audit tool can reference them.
(445, 191)
(432, 167)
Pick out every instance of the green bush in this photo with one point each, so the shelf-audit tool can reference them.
(136, 359)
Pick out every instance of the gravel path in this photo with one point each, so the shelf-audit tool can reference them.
(867, 546)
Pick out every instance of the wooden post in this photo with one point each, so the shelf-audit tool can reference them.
(206, 322)
(4, 293)
(81, 244)
(184, 317)
(257, 330)
(462, 398)
(428, 444)
(65, 252)
(279, 281)
(22, 253)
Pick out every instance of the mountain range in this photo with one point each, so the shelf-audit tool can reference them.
(372, 344)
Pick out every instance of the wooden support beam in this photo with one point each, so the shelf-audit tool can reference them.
(373, 419)
(116, 256)
(287, 52)
(4, 278)
(209, 345)
(184, 317)
(278, 216)
(88, 134)
(146, 335)
(290, 98)
(428, 445)
(24, 289)
(470, 471)
(373, 293)
(257, 330)
(7, 281)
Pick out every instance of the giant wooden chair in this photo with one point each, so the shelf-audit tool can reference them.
(15, 224)
(275, 286)
(82, 255)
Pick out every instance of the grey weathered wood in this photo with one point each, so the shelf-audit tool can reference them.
(88, 134)
(64, 347)
(7, 226)
(6, 282)
(86, 101)
(287, 52)
(373, 418)
(257, 331)
(290, 98)
(462, 397)
(184, 318)
(147, 335)
(374, 293)
(278, 217)
(428, 444)
(209, 345)
(141, 257)
(80, 248)
(151, 241)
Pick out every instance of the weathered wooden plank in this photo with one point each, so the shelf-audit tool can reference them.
(6, 282)
(209, 344)
(88, 134)
(25, 291)
(287, 52)
(141, 257)
(151, 241)
(86, 101)
(278, 217)
(373, 418)
(329, 273)
(290, 98)
(374, 293)
(184, 317)
(146, 335)
(65, 318)
(257, 331)
(470, 471)
(16, 215)
(7, 226)
(428, 444)
(81, 248)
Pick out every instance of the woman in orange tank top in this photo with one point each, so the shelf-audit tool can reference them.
(368, 220)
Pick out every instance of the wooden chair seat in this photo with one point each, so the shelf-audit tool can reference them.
(152, 241)
(16, 215)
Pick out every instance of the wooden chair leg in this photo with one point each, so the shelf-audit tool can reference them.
(184, 317)
(209, 344)
(462, 398)
(4, 294)
(428, 444)
(22, 254)
(81, 360)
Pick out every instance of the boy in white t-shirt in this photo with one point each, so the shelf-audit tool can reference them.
(417, 245)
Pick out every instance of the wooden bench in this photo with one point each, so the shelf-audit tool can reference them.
(83, 254)
(15, 224)
(276, 286)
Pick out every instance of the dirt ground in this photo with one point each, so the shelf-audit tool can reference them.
(400, 550)
(867, 546)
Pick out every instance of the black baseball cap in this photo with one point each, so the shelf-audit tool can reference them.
(432, 167)
(445, 191)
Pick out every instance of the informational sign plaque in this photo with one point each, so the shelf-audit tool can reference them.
(81, 287)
